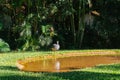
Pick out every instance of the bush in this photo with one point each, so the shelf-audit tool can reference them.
(4, 47)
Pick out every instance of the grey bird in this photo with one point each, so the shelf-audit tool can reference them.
(56, 46)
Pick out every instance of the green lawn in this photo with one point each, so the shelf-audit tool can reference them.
(8, 70)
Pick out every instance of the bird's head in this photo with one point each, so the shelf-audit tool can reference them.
(57, 42)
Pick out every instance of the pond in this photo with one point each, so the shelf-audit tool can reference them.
(67, 63)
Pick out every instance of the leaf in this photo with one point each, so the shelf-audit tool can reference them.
(43, 29)
(1, 25)
(4, 47)
(48, 41)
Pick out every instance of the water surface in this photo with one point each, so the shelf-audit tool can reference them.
(69, 63)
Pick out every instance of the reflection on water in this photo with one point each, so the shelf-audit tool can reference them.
(68, 63)
(57, 65)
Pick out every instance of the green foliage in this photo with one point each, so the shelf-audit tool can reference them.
(4, 47)
(1, 26)
(34, 36)
(26, 23)
(45, 40)
(48, 30)
(29, 42)
(26, 31)
(105, 29)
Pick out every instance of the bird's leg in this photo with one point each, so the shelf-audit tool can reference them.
(54, 55)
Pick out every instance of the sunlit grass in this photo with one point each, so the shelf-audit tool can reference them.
(9, 71)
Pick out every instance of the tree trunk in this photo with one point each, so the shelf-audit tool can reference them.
(73, 25)
(81, 26)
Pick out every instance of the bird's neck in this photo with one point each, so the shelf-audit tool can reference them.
(57, 42)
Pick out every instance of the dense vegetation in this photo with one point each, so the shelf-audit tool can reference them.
(77, 24)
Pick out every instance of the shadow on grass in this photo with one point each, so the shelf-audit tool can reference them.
(16, 77)
(11, 68)
(115, 67)
(77, 75)
(25, 77)
(84, 75)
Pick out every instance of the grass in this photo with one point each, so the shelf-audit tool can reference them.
(9, 71)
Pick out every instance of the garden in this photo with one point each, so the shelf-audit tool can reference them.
(59, 40)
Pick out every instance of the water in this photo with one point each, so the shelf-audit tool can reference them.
(68, 63)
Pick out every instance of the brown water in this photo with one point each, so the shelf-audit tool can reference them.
(69, 63)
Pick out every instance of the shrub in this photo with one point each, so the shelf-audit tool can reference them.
(4, 47)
